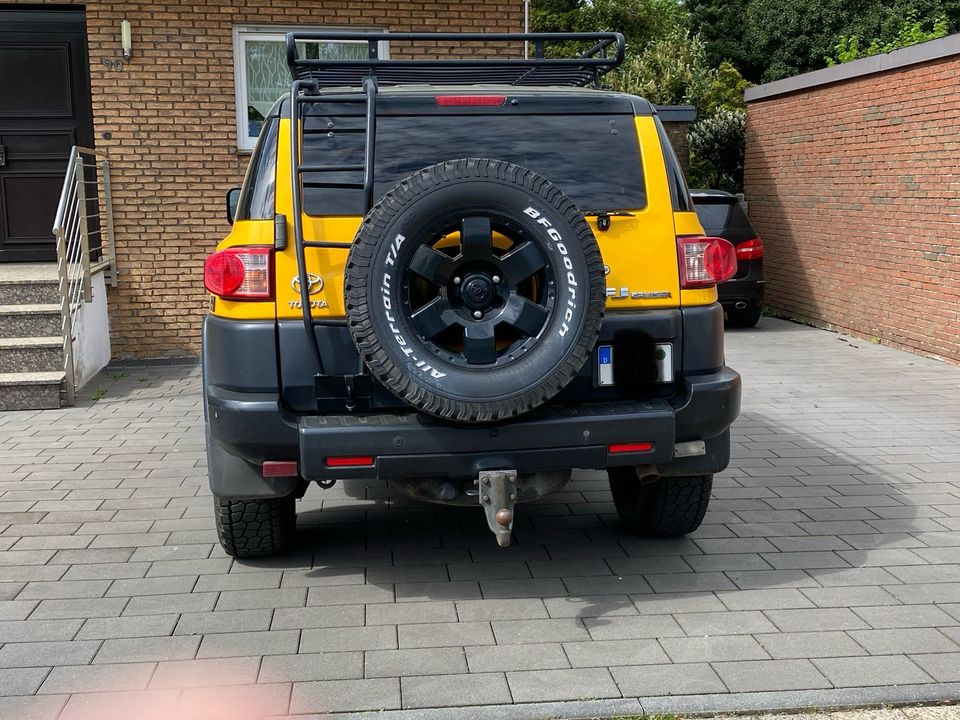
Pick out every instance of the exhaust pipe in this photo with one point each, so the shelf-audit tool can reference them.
(647, 473)
(740, 305)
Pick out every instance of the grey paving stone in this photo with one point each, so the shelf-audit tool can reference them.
(520, 609)
(510, 632)
(127, 627)
(501, 658)
(900, 616)
(36, 630)
(38, 654)
(607, 653)
(161, 604)
(942, 667)
(21, 681)
(40, 707)
(349, 595)
(312, 666)
(904, 641)
(774, 599)
(82, 608)
(619, 628)
(252, 599)
(205, 672)
(64, 589)
(345, 696)
(590, 606)
(377, 637)
(98, 678)
(454, 690)
(410, 613)
(849, 596)
(238, 644)
(712, 649)
(654, 680)
(411, 662)
(318, 617)
(456, 634)
(770, 675)
(127, 650)
(667, 603)
(816, 619)
(785, 645)
(871, 671)
(744, 622)
(225, 621)
(553, 685)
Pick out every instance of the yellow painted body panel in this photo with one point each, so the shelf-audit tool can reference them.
(640, 251)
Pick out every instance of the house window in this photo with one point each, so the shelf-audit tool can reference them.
(262, 76)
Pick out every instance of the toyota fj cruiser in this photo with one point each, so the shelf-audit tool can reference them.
(465, 277)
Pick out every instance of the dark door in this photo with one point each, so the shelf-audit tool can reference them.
(44, 111)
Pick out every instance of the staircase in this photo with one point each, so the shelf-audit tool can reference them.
(31, 345)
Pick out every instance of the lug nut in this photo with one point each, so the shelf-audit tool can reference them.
(477, 314)
(456, 280)
(496, 279)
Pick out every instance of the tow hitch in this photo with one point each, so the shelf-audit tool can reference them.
(498, 495)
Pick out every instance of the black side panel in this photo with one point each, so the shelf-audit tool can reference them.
(702, 339)
(240, 355)
(340, 357)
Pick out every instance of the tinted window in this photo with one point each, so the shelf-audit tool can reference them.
(723, 218)
(595, 159)
(258, 197)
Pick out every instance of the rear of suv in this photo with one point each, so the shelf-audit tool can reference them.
(466, 278)
(723, 215)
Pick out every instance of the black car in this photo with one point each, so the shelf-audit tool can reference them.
(722, 215)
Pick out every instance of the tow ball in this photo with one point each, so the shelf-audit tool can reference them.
(498, 496)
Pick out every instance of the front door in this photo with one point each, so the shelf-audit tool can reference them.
(44, 111)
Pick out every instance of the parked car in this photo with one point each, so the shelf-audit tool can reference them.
(722, 215)
(435, 282)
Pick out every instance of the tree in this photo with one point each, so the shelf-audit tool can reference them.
(716, 151)
(849, 47)
(669, 71)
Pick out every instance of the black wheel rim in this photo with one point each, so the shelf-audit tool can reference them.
(485, 303)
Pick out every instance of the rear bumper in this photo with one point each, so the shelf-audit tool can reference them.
(747, 289)
(253, 426)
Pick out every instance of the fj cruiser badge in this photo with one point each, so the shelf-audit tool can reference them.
(314, 283)
(623, 293)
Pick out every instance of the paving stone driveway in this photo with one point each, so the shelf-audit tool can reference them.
(828, 561)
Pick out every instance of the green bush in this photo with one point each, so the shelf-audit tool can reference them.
(910, 33)
(716, 150)
(671, 70)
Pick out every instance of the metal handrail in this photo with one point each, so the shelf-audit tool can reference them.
(72, 230)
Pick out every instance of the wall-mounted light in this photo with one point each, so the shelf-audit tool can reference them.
(126, 39)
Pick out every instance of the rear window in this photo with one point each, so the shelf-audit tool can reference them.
(595, 159)
(722, 218)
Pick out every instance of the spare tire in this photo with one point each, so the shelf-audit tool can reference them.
(474, 290)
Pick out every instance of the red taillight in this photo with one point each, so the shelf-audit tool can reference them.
(240, 273)
(705, 261)
(750, 249)
(280, 468)
(350, 461)
(630, 447)
(462, 100)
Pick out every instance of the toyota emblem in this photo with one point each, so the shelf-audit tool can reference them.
(315, 283)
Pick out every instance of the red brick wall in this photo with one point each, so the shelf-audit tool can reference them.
(168, 121)
(855, 189)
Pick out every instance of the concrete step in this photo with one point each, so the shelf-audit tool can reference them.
(30, 390)
(28, 283)
(19, 321)
(39, 354)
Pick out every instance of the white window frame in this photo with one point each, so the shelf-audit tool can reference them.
(243, 33)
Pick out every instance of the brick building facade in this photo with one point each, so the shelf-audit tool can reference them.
(168, 119)
(853, 183)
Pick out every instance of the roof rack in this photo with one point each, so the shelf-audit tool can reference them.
(585, 69)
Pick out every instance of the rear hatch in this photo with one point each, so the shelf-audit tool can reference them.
(588, 143)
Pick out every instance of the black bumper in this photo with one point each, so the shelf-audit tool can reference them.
(746, 290)
(255, 428)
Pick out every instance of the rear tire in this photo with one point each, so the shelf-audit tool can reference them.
(256, 528)
(667, 507)
(746, 318)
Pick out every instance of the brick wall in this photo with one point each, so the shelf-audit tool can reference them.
(855, 189)
(168, 121)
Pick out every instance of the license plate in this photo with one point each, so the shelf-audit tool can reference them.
(663, 353)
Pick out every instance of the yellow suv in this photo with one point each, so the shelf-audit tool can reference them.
(465, 277)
